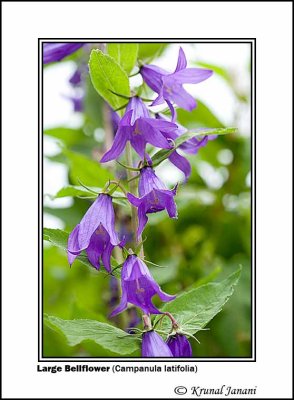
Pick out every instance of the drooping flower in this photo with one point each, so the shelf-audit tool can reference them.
(153, 197)
(138, 287)
(179, 345)
(154, 346)
(95, 234)
(169, 86)
(57, 51)
(191, 146)
(137, 127)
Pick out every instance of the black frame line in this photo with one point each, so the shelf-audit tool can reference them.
(252, 358)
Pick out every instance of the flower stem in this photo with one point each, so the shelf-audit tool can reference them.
(133, 190)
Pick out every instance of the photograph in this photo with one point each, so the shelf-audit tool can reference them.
(147, 200)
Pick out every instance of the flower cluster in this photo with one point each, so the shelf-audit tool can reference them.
(96, 234)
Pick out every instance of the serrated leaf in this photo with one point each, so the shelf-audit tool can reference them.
(162, 155)
(106, 335)
(125, 54)
(107, 77)
(195, 308)
(88, 171)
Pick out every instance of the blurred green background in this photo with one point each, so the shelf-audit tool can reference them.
(211, 237)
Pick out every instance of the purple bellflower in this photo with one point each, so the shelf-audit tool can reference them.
(57, 51)
(191, 146)
(95, 234)
(154, 346)
(154, 197)
(169, 86)
(137, 127)
(138, 287)
(179, 345)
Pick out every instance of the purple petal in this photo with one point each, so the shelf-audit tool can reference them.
(159, 100)
(106, 256)
(118, 145)
(133, 200)
(154, 346)
(96, 245)
(138, 142)
(183, 99)
(153, 135)
(142, 219)
(148, 181)
(182, 61)
(191, 75)
(152, 76)
(122, 305)
(57, 51)
(162, 125)
(108, 219)
(73, 249)
(181, 163)
(139, 109)
(179, 345)
(172, 110)
(166, 197)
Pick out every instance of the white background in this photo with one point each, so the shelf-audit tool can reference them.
(270, 23)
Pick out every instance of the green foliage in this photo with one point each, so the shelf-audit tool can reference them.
(125, 54)
(85, 170)
(195, 308)
(80, 191)
(149, 51)
(106, 335)
(108, 78)
(200, 117)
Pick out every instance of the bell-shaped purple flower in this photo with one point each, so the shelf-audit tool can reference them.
(154, 346)
(179, 345)
(57, 51)
(169, 86)
(95, 234)
(137, 127)
(154, 197)
(138, 287)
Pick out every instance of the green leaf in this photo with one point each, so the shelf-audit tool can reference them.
(88, 171)
(162, 155)
(148, 51)
(106, 335)
(195, 308)
(80, 191)
(125, 54)
(199, 117)
(68, 136)
(107, 77)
